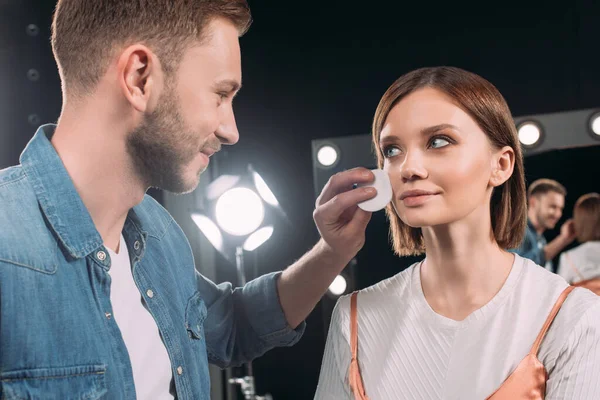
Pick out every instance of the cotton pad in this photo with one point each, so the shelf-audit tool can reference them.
(384, 192)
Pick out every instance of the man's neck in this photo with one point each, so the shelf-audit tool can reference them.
(535, 223)
(95, 157)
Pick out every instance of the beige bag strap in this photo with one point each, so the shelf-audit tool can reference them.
(573, 267)
(550, 319)
(356, 382)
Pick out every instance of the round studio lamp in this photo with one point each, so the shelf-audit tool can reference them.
(338, 286)
(239, 211)
(595, 125)
(327, 155)
(530, 134)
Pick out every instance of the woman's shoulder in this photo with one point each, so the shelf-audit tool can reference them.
(587, 250)
(386, 293)
(540, 291)
(542, 286)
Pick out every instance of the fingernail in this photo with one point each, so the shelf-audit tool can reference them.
(367, 174)
(370, 190)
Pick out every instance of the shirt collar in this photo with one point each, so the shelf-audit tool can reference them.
(61, 204)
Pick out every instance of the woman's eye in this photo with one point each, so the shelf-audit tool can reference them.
(390, 151)
(439, 143)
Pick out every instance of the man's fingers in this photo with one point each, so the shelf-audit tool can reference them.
(335, 207)
(342, 182)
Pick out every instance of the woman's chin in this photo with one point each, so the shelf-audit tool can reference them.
(421, 221)
(416, 222)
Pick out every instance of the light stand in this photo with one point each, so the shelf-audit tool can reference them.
(239, 213)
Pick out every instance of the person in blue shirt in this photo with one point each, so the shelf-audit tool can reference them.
(546, 201)
(147, 99)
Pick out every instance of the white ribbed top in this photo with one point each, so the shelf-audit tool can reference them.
(585, 257)
(407, 351)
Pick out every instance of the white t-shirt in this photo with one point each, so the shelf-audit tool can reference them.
(149, 358)
(408, 351)
(585, 257)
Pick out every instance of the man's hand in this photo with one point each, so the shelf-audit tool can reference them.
(566, 237)
(567, 231)
(340, 221)
(342, 227)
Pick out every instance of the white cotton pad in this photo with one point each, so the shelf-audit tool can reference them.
(384, 192)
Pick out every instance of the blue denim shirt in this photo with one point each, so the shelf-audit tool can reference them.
(532, 246)
(58, 338)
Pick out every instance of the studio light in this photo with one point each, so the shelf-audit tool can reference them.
(338, 286)
(263, 189)
(239, 211)
(209, 229)
(530, 134)
(327, 155)
(258, 238)
(595, 125)
(232, 215)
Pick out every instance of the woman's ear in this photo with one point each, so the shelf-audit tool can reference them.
(503, 164)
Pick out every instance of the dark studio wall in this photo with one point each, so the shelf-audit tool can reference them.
(316, 69)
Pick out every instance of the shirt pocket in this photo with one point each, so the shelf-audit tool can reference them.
(85, 382)
(195, 314)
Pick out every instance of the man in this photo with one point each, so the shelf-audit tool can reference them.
(546, 201)
(99, 296)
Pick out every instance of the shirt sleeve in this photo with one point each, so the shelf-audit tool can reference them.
(576, 375)
(244, 323)
(333, 379)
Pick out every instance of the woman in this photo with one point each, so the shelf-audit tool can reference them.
(581, 265)
(457, 324)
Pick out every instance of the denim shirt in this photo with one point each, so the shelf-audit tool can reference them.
(58, 338)
(532, 246)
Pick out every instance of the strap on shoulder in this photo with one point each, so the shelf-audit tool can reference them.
(355, 378)
(550, 319)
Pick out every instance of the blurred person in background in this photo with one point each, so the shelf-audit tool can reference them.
(580, 266)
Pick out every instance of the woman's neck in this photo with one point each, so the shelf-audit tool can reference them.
(464, 267)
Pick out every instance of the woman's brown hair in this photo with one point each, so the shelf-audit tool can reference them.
(586, 217)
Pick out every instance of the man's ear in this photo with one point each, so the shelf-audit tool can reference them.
(139, 75)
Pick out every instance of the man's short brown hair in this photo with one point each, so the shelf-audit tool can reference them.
(86, 34)
(586, 217)
(543, 186)
(484, 103)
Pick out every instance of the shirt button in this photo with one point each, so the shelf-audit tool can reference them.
(149, 293)
(101, 255)
(137, 245)
(179, 370)
(108, 315)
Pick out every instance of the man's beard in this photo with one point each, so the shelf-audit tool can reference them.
(161, 147)
(545, 221)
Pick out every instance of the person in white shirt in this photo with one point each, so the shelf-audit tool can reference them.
(457, 324)
(582, 264)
